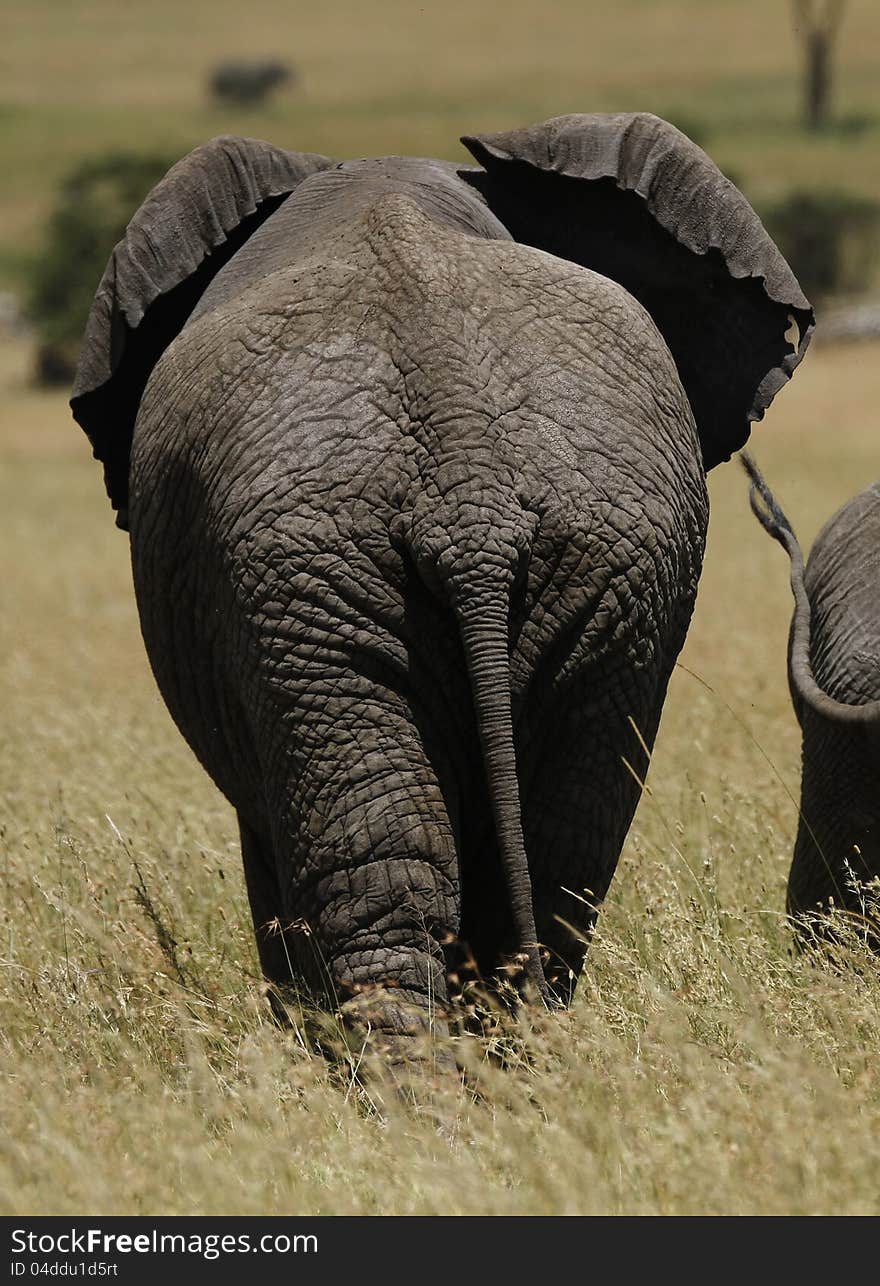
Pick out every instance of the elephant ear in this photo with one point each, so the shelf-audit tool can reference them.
(187, 228)
(632, 198)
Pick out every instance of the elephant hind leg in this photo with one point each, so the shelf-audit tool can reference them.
(391, 1015)
(274, 938)
(378, 926)
(579, 800)
(369, 868)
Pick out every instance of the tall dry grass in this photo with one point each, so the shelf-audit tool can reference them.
(704, 1067)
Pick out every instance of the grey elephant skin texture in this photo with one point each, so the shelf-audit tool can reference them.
(413, 461)
(834, 678)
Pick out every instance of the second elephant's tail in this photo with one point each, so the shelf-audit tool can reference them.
(483, 623)
(768, 513)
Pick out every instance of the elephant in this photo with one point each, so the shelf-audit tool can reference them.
(243, 82)
(412, 456)
(834, 679)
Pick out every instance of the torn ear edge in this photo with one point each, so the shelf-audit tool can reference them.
(186, 229)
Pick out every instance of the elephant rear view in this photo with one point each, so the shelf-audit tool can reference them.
(413, 460)
(834, 677)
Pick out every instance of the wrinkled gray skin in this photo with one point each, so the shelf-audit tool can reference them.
(834, 677)
(417, 516)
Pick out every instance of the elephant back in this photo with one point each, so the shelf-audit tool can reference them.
(842, 580)
(337, 213)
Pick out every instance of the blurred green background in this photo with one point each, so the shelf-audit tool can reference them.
(99, 97)
(82, 77)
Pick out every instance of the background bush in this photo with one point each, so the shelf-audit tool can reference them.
(94, 204)
(830, 239)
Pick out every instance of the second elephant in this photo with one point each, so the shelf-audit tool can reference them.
(834, 677)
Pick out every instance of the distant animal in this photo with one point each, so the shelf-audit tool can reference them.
(413, 459)
(249, 82)
(834, 678)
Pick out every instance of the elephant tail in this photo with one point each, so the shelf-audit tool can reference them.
(483, 624)
(768, 513)
(805, 689)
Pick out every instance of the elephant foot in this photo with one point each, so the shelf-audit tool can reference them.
(400, 1054)
(392, 1050)
(836, 930)
(400, 1027)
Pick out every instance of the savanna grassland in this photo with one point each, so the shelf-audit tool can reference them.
(705, 1067)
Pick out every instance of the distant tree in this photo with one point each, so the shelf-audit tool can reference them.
(817, 22)
(95, 202)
